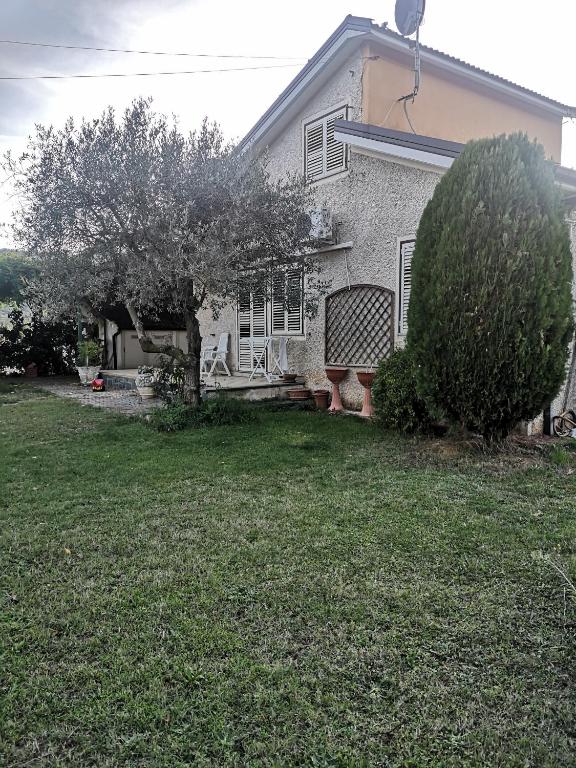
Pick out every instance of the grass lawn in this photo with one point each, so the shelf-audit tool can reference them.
(302, 591)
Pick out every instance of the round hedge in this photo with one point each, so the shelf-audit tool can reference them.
(490, 314)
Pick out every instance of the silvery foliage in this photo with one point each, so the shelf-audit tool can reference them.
(130, 211)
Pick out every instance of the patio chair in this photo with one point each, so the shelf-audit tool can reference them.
(208, 347)
(217, 356)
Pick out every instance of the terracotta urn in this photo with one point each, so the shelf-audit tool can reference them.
(321, 397)
(366, 378)
(336, 376)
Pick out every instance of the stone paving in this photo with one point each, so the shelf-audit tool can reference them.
(126, 401)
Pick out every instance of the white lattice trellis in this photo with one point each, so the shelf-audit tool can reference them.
(359, 325)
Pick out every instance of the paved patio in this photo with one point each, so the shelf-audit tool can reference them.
(126, 401)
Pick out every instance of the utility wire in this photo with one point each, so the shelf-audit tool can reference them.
(144, 74)
(150, 53)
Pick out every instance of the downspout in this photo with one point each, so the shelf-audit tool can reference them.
(114, 352)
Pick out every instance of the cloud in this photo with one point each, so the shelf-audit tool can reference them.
(103, 23)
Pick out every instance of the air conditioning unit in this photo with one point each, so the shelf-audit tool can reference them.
(321, 227)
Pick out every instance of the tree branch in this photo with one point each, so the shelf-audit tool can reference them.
(146, 343)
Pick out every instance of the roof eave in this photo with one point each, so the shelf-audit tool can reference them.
(351, 29)
(494, 82)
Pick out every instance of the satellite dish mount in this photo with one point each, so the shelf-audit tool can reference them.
(409, 15)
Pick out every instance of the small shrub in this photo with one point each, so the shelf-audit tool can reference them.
(173, 417)
(219, 411)
(397, 404)
(169, 381)
(90, 352)
(222, 411)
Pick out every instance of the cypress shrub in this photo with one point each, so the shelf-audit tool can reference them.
(397, 404)
(490, 316)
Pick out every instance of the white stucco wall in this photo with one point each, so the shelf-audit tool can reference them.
(373, 204)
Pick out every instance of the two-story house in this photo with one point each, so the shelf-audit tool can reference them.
(374, 162)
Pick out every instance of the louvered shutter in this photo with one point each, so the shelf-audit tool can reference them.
(406, 251)
(314, 150)
(295, 296)
(244, 331)
(323, 155)
(335, 150)
(278, 309)
(251, 323)
(287, 302)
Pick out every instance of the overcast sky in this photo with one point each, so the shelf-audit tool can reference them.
(530, 43)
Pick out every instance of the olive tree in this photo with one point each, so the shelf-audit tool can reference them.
(129, 211)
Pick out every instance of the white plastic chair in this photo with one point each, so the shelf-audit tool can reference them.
(208, 347)
(217, 356)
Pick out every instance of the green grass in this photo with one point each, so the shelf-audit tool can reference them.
(301, 591)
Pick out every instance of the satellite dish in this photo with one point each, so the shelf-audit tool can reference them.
(409, 15)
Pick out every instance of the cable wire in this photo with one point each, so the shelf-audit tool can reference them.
(144, 74)
(149, 53)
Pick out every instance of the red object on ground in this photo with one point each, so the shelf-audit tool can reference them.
(336, 376)
(98, 385)
(366, 378)
(31, 370)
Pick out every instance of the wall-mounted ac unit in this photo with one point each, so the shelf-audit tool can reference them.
(321, 227)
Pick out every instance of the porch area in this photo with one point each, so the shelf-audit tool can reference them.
(236, 385)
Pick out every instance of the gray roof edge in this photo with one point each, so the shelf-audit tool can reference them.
(357, 24)
(564, 176)
(401, 138)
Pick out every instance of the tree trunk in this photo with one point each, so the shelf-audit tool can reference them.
(192, 364)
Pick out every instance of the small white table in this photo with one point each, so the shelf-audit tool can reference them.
(259, 347)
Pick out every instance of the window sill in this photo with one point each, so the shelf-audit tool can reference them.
(329, 248)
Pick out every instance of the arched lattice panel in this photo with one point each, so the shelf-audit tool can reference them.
(359, 325)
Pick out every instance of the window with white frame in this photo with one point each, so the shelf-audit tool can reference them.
(323, 155)
(287, 302)
(405, 252)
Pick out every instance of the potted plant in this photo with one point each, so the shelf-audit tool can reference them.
(145, 382)
(89, 360)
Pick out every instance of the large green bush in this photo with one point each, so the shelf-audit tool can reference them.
(397, 404)
(490, 314)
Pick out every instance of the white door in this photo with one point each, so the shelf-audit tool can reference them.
(252, 323)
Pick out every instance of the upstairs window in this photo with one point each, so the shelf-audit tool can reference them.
(406, 249)
(323, 155)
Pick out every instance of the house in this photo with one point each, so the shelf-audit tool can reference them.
(340, 123)
(374, 161)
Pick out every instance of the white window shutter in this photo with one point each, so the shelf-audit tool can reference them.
(252, 310)
(287, 302)
(335, 150)
(323, 155)
(314, 149)
(406, 252)
(278, 308)
(295, 300)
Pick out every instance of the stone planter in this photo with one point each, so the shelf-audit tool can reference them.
(145, 385)
(366, 378)
(336, 376)
(88, 373)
